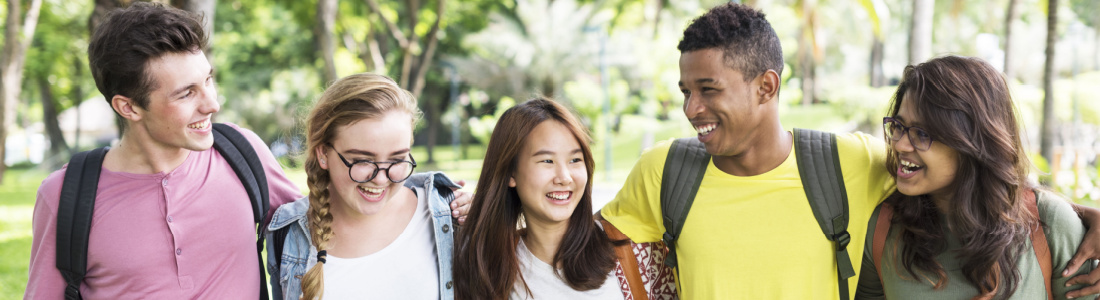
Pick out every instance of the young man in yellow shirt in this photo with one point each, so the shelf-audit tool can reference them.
(751, 233)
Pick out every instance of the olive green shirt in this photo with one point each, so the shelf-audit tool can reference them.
(1064, 232)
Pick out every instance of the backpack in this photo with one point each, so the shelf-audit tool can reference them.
(1038, 238)
(78, 191)
(818, 166)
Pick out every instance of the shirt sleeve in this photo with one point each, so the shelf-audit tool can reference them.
(1064, 231)
(280, 189)
(636, 209)
(45, 281)
(867, 155)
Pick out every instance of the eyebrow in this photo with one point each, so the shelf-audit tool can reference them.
(700, 81)
(548, 152)
(192, 85)
(368, 153)
(907, 123)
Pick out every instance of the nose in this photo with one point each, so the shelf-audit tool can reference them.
(210, 103)
(903, 144)
(562, 175)
(692, 107)
(382, 178)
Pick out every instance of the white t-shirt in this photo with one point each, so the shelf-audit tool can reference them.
(544, 282)
(405, 269)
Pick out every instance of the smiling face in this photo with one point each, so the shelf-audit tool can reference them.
(386, 138)
(181, 103)
(550, 175)
(921, 172)
(719, 102)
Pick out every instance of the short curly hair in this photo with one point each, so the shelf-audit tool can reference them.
(742, 33)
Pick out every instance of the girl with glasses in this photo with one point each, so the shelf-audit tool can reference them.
(369, 227)
(530, 232)
(964, 217)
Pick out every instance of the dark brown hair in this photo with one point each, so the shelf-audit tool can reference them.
(748, 42)
(964, 103)
(121, 47)
(485, 263)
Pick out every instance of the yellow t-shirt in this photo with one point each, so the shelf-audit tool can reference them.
(755, 237)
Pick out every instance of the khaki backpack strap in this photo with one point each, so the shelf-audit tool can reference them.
(629, 263)
(882, 228)
(1039, 240)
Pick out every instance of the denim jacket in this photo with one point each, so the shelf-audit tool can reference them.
(299, 255)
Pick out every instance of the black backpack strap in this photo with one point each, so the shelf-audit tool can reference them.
(278, 238)
(74, 217)
(685, 165)
(243, 159)
(819, 168)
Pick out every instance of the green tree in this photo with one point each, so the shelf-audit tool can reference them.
(18, 35)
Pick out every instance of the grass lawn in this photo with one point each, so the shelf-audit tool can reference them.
(16, 206)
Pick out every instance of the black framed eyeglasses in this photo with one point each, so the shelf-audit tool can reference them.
(918, 137)
(363, 171)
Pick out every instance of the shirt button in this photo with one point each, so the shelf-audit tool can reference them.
(446, 228)
(179, 251)
(169, 219)
(164, 182)
(449, 284)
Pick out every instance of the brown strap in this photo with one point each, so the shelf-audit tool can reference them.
(629, 263)
(1039, 240)
(882, 228)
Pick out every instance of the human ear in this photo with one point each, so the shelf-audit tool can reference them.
(126, 108)
(768, 86)
(321, 157)
(511, 181)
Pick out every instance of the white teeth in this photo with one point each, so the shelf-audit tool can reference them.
(371, 190)
(705, 129)
(909, 164)
(199, 125)
(559, 195)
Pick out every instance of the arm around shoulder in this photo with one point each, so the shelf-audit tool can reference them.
(1064, 232)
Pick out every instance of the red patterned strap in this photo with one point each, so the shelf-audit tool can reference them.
(882, 228)
(1039, 240)
(629, 264)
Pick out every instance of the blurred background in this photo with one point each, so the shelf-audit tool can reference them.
(613, 61)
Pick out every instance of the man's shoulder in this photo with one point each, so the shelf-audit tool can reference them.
(49, 193)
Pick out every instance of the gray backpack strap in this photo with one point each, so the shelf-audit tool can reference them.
(819, 167)
(683, 172)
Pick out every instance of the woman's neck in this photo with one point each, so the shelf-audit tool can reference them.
(543, 240)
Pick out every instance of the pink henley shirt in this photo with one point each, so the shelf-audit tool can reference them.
(184, 234)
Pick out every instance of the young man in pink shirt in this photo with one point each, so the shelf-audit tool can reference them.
(171, 219)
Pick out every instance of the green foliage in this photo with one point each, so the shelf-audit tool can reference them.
(58, 54)
(272, 65)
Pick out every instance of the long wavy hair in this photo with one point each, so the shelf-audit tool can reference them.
(485, 263)
(348, 100)
(965, 104)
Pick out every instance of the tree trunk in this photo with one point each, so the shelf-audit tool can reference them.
(878, 78)
(204, 8)
(18, 34)
(1010, 18)
(326, 42)
(1047, 132)
(807, 44)
(49, 118)
(920, 31)
(429, 52)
